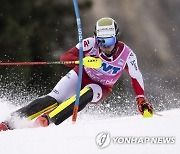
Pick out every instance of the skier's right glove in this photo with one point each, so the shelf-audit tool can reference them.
(144, 107)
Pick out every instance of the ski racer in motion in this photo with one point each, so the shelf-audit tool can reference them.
(97, 83)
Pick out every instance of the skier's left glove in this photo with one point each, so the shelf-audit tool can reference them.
(144, 107)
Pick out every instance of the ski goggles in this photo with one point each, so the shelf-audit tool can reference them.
(107, 41)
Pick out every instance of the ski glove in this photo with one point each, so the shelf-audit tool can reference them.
(92, 62)
(144, 107)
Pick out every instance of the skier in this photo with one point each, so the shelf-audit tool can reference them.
(97, 83)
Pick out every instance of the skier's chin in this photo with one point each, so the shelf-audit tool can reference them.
(107, 50)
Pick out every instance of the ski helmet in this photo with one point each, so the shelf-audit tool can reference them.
(106, 33)
(106, 27)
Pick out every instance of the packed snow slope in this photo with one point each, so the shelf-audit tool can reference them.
(82, 137)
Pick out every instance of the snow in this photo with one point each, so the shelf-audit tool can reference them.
(80, 138)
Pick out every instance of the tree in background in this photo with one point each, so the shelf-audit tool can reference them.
(31, 30)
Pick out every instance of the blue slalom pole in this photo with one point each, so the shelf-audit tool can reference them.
(78, 20)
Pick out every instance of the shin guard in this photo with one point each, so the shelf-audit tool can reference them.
(65, 109)
(37, 107)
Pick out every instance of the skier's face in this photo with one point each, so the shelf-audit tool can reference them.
(106, 44)
(107, 49)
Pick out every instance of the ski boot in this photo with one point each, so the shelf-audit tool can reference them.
(41, 121)
(4, 126)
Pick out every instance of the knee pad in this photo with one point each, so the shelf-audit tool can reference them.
(97, 92)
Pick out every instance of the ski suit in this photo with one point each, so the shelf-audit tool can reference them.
(101, 80)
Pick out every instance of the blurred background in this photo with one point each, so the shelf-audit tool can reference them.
(41, 30)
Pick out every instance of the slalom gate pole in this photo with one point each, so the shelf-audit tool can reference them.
(78, 20)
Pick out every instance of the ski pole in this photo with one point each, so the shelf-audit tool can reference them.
(35, 63)
(155, 113)
(88, 61)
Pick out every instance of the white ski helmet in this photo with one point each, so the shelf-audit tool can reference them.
(106, 27)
